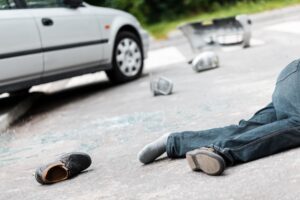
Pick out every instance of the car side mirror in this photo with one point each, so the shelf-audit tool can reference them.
(73, 3)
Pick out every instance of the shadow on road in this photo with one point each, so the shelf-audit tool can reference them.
(52, 101)
(7, 103)
(47, 102)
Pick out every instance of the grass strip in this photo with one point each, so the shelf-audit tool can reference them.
(161, 29)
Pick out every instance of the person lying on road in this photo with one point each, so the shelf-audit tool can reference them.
(272, 129)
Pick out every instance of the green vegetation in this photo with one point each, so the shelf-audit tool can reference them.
(160, 17)
(161, 29)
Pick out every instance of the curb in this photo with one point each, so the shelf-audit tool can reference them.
(17, 112)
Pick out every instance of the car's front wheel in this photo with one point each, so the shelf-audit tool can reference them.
(128, 60)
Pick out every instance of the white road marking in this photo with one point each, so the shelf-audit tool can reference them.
(50, 87)
(254, 42)
(163, 57)
(70, 83)
(86, 79)
(42, 88)
(287, 27)
(4, 95)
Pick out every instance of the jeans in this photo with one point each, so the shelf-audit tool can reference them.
(272, 129)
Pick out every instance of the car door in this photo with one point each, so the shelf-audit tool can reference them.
(71, 38)
(20, 45)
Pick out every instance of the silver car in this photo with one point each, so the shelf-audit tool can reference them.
(47, 40)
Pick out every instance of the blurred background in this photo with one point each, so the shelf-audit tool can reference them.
(159, 17)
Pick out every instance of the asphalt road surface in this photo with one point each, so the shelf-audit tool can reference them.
(112, 123)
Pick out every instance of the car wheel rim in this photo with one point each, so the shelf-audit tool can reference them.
(129, 57)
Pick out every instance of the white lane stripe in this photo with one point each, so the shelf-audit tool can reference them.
(86, 79)
(256, 42)
(287, 27)
(253, 43)
(4, 95)
(163, 57)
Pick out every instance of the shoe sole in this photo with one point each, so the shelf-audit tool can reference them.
(207, 162)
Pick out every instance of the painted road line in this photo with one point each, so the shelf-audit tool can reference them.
(287, 27)
(163, 57)
(256, 42)
(4, 95)
(253, 43)
(50, 87)
(86, 79)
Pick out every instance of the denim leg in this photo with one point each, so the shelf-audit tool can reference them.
(259, 142)
(179, 144)
(270, 130)
(274, 137)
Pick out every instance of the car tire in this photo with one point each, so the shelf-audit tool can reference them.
(128, 58)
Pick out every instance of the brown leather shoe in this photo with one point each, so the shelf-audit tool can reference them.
(67, 166)
(206, 160)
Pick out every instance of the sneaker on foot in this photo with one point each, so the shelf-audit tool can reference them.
(206, 160)
(67, 166)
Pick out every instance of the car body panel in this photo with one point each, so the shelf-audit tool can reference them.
(79, 41)
(117, 19)
(18, 35)
(70, 27)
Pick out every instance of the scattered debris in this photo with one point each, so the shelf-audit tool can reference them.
(161, 86)
(204, 61)
(246, 23)
(219, 32)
